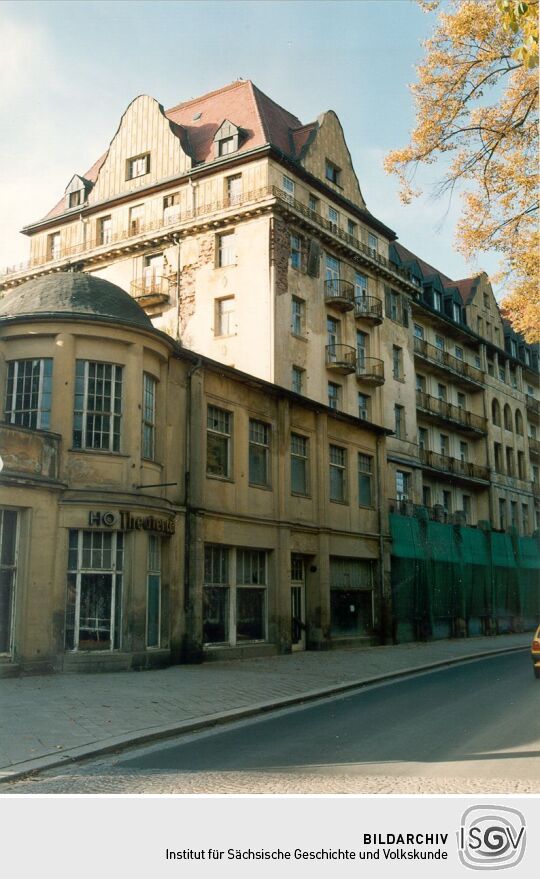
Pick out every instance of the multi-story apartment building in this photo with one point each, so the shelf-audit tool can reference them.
(244, 235)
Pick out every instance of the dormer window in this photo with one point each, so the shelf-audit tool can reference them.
(77, 191)
(76, 198)
(138, 166)
(226, 139)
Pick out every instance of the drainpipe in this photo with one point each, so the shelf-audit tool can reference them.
(177, 330)
(189, 512)
(382, 513)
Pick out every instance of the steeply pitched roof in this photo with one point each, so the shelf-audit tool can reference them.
(466, 286)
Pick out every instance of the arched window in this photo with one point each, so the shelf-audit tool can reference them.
(519, 422)
(508, 418)
(495, 412)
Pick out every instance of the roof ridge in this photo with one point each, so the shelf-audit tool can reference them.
(236, 84)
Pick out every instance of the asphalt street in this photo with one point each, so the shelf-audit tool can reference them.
(470, 728)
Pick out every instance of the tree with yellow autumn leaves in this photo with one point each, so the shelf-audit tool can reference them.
(477, 105)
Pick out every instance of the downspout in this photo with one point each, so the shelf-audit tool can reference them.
(272, 304)
(381, 512)
(189, 512)
(177, 328)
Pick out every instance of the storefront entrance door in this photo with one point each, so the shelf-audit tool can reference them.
(298, 603)
(95, 620)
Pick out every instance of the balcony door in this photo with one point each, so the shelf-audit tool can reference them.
(153, 271)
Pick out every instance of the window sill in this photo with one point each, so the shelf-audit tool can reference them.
(299, 494)
(336, 501)
(220, 478)
(399, 378)
(300, 338)
(263, 487)
(99, 452)
(365, 507)
(152, 461)
(225, 336)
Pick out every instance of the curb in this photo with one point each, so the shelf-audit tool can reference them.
(115, 743)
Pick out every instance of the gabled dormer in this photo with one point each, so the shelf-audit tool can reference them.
(434, 293)
(77, 191)
(453, 305)
(226, 139)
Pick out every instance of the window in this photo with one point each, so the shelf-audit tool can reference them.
(98, 406)
(439, 343)
(218, 442)
(338, 474)
(486, 300)
(491, 368)
(423, 438)
(497, 449)
(394, 303)
(28, 393)
(447, 501)
(351, 597)
(426, 495)
(105, 230)
(421, 383)
(216, 594)
(522, 471)
(441, 392)
(149, 416)
(288, 186)
(224, 316)
(502, 374)
(397, 362)
(298, 315)
(298, 252)
(461, 400)
(495, 412)
(226, 250)
(362, 341)
(402, 485)
(8, 571)
(334, 395)
(478, 361)
(234, 189)
(136, 219)
(138, 166)
(360, 286)
(259, 453)
(94, 590)
(513, 378)
(76, 198)
(299, 464)
(444, 443)
(364, 407)
(466, 506)
(332, 331)
(437, 301)
(463, 452)
(332, 172)
(333, 216)
(365, 480)
(456, 313)
(509, 461)
(502, 513)
(399, 420)
(54, 245)
(418, 331)
(332, 272)
(153, 592)
(458, 352)
(313, 203)
(525, 518)
(226, 145)
(507, 417)
(171, 207)
(373, 242)
(352, 228)
(297, 382)
(250, 595)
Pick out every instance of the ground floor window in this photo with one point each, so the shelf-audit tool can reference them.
(153, 592)
(94, 590)
(234, 595)
(8, 570)
(351, 597)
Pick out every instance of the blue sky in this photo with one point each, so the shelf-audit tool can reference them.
(69, 69)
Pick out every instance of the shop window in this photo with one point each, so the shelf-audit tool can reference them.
(98, 406)
(234, 595)
(216, 595)
(94, 590)
(259, 453)
(28, 393)
(351, 597)
(338, 474)
(8, 571)
(149, 417)
(299, 464)
(250, 595)
(218, 442)
(153, 592)
(365, 480)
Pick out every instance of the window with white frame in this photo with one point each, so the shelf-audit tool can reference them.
(98, 406)
(218, 442)
(105, 230)
(28, 393)
(403, 480)
(373, 242)
(418, 331)
(288, 186)
(251, 582)
(338, 474)
(333, 215)
(54, 245)
(364, 406)
(298, 252)
(234, 189)
(360, 285)
(8, 573)
(153, 592)
(298, 316)
(149, 417)
(299, 464)
(352, 228)
(226, 251)
(259, 453)
(136, 219)
(138, 166)
(313, 203)
(94, 590)
(234, 595)
(224, 316)
(331, 272)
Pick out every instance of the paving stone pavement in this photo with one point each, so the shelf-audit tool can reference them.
(46, 718)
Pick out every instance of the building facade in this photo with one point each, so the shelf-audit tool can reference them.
(243, 235)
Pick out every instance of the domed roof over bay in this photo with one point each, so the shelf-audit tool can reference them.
(73, 294)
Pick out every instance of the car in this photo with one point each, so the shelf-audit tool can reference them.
(535, 653)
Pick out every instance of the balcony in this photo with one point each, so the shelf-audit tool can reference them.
(440, 410)
(341, 358)
(368, 308)
(444, 362)
(370, 371)
(534, 447)
(151, 292)
(339, 294)
(453, 468)
(29, 454)
(533, 407)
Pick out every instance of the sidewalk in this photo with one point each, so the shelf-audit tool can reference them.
(49, 720)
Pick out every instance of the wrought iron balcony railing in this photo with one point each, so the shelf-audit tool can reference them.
(453, 466)
(448, 412)
(368, 308)
(532, 404)
(339, 293)
(341, 358)
(370, 370)
(443, 359)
